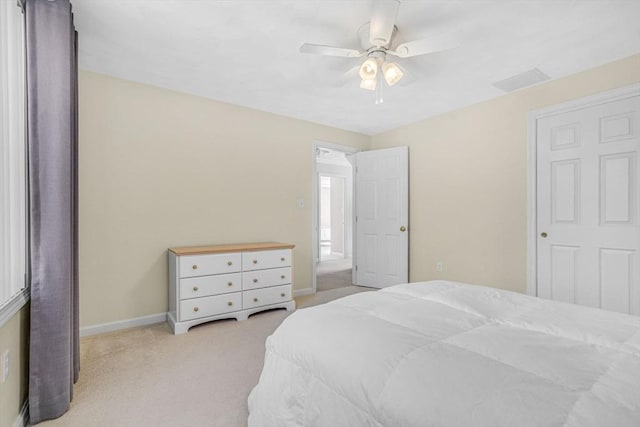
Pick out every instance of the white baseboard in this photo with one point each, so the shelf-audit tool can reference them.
(301, 292)
(123, 324)
(23, 417)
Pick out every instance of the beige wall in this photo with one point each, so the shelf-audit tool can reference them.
(468, 179)
(14, 336)
(160, 169)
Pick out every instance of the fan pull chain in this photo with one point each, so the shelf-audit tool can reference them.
(379, 99)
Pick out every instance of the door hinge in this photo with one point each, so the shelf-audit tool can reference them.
(356, 268)
(356, 218)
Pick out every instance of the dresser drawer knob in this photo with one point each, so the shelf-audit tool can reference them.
(282, 277)
(195, 289)
(230, 284)
(195, 309)
(282, 259)
(229, 303)
(194, 266)
(255, 280)
(255, 300)
(255, 261)
(229, 263)
(282, 295)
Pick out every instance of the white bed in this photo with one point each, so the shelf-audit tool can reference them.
(448, 354)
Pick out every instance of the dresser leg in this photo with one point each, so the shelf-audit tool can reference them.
(176, 327)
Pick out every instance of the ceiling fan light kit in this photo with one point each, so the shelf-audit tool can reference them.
(368, 84)
(392, 73)
(376, 38)
(369, 69)
(370, 75)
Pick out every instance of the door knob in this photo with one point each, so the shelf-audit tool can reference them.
(403, 228)
(543, 235)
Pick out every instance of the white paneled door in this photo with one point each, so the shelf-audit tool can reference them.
(382, 215)
(588, 235)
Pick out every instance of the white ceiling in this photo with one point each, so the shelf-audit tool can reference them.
(245, 52)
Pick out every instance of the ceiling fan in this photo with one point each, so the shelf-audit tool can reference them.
(376, 39)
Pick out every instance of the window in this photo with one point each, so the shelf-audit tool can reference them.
(12, 158)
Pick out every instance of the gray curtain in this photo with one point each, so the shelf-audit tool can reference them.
(52, 162)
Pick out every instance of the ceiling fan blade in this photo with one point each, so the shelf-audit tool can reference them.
(348, 78)
(383, 20)
(411, 74)
(319, 49)
(421, 47)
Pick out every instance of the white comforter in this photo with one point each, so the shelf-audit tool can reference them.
(449, 354)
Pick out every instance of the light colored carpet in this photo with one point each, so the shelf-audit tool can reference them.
(334, 265)
(333, 274)
(149, 377)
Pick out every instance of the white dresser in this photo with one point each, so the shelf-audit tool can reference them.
(227, 281)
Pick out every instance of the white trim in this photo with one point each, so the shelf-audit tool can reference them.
(122, 324)
(532, 216)
(315, 205)
(11, 307)
(532, 208)
(22, 419)
(13, 217)
(302, 292)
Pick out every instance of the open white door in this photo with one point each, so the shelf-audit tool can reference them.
(382, 217)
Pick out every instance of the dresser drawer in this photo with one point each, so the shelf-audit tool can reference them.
(266, 278)
(266, 259)
(210, 306)
(204, 265)
(205, 286)
(266, 296)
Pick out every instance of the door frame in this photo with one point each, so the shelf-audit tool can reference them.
(315, 205)
(532, 154)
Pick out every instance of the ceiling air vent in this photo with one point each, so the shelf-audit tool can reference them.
(521, 80)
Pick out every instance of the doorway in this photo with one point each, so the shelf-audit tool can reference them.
(364, 238)
(334, 210)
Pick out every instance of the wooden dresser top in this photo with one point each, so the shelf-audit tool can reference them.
(236, 247)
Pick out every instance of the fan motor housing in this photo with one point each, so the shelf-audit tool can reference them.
(365, 38)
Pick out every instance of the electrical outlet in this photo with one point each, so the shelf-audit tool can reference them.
(5, 366)
(439, 266)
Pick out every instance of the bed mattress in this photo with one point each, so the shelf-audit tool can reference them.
(450, 354)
